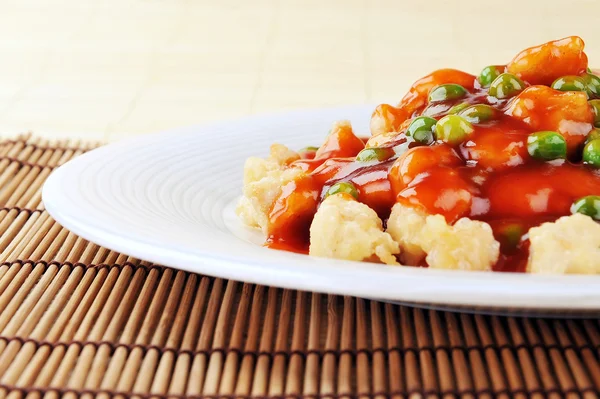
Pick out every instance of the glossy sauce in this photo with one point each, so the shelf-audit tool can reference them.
(490, 177)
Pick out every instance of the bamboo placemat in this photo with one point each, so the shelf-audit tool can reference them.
(80, 320)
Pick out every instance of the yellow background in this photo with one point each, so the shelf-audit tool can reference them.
(107, 69)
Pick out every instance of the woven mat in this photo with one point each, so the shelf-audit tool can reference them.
(80, 320)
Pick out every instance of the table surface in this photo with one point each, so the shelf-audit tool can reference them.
(114, 68)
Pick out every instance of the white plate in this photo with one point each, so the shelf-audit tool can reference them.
(168, 198)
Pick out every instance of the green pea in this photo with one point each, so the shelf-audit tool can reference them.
(375, 154)
(593, 84)
(591, 153)
(478, 113)
(511, 234)
(546, 145)
(596, 110)
(446, 92)
(569, 83)
(342, 187)
(457, 108)
(593, 135)
(489, 74)
(505, 86)
(453, 129)
(589, 205)
(309, 149)
(421, 129)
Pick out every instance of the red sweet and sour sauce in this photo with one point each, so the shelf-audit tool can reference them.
(489, 177)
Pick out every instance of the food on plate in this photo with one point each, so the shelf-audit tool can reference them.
(263, 179)
(465, 245)
(569, 245)
(347, 229)
(499, 171)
